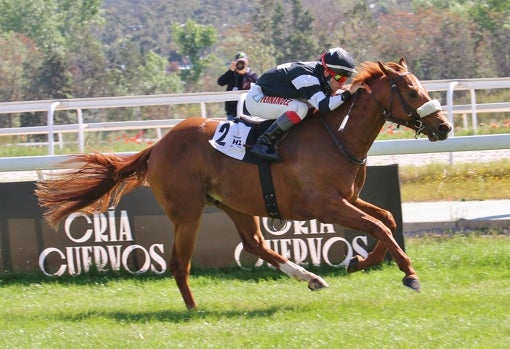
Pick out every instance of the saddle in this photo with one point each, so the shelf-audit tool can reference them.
(234, 138)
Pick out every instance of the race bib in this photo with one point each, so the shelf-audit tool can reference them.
(230, 139)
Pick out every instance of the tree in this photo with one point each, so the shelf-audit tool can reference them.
(19, 61)
(359, 34)
(48, 22)
(51, 81)
(494, 17)
(155, 78)
(493, 20)
(58, 29)
(35, 19)
(286, 29)
(193, 39)
(437, 45)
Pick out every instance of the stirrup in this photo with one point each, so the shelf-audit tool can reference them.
(266, 154)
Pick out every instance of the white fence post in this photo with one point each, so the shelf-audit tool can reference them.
(81, 133)
(449, 103)
(474, 118)
(51, 113)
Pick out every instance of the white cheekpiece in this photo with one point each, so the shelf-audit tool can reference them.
(428, 108)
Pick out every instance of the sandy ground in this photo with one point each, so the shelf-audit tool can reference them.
(443, 158)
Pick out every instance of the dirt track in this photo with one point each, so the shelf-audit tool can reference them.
(444, 158)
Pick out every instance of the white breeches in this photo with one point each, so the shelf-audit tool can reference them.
(269, 107)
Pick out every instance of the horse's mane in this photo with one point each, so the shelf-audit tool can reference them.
(371, 70)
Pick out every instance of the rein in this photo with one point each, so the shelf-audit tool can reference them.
(415, 117)
(339, 145)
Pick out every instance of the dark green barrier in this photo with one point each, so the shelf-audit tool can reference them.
(137, 236)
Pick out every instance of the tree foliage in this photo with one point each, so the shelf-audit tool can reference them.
(91, 48)
(193, 39)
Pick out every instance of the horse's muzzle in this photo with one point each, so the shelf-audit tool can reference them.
(438, 132)
(441, 133)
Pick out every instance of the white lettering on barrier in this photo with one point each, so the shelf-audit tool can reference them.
(308, 242)
(78, 259)
(300, 227)
(102, 228)
(318, 250)
(100, 223)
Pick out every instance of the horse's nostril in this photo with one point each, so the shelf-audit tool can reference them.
(445, 128)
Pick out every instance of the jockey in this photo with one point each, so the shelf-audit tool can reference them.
(286, 91)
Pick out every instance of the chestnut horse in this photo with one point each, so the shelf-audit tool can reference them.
(320, 175)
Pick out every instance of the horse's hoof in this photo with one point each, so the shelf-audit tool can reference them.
(353, 265)
(412, 283)
(317, 284)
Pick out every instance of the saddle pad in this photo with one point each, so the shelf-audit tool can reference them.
(230, 138)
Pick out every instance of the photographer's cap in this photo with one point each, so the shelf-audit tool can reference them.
(241, 55)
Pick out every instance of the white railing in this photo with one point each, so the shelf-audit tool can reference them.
(79, 104)
(388, 147)
(379, 147)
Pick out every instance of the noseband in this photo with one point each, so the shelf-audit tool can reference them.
(415, 116)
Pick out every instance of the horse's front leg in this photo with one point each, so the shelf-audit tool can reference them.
(350, 216)
(254, 243)
(376, 256)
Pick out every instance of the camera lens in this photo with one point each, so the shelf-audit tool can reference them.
(240, 65)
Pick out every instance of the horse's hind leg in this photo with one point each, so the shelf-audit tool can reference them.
(184, 206)
(376, 256)
(180, 260)
(254, 243)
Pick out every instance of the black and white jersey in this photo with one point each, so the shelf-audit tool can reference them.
(300, 80)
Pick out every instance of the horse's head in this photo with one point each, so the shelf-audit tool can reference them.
(404, 100)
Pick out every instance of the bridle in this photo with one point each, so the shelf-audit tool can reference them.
(415, 115)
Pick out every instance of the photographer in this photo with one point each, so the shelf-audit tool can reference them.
(238, 77)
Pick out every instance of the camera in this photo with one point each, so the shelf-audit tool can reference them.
(240, 65)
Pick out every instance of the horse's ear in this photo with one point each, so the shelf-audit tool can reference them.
(385, 69)
(403, 63)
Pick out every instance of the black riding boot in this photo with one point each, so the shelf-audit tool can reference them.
(266, 145)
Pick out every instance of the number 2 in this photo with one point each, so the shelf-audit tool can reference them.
(224, 131)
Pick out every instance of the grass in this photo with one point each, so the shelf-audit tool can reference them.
(465, 281)
(457, 182)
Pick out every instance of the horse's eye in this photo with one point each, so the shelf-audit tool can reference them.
(413, 94)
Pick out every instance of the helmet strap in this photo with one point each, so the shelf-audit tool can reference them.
(328, 78)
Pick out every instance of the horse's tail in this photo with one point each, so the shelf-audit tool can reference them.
(97, 185)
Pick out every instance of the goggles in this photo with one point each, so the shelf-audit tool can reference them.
(339, 78)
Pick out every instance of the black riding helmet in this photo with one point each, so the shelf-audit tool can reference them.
(336, 61)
